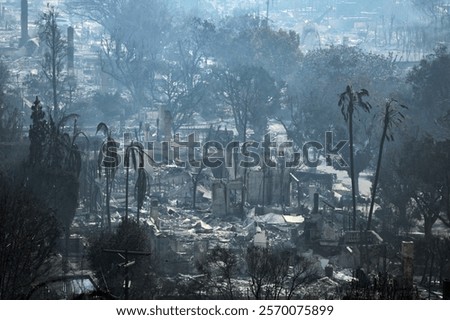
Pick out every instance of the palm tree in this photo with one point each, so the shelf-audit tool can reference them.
(349, 101)
(108, 159)
(132, 150)
(391, 117)
(73, 152)
(140, 189)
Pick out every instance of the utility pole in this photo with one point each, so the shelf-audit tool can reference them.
(124, 254)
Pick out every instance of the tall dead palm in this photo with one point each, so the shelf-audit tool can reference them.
(350, 101)
(133, 150)
(108, 159)
(140, 189)
(391, 117)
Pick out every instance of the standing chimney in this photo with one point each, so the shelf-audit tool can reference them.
(24, 22)
(316, 203)
(407, 257)
(70, 49)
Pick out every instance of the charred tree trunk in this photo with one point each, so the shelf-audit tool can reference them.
(352, 168)
(377, 173)
(108, 199)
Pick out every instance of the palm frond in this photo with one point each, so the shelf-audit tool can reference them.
(133, 150)
(140, 188)
(364, 92)
(126, 159)
(62, 122)
(103, 128)
(66, 140)
(79, 133)
(108, 158)
(392, 117)
(133, 157)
